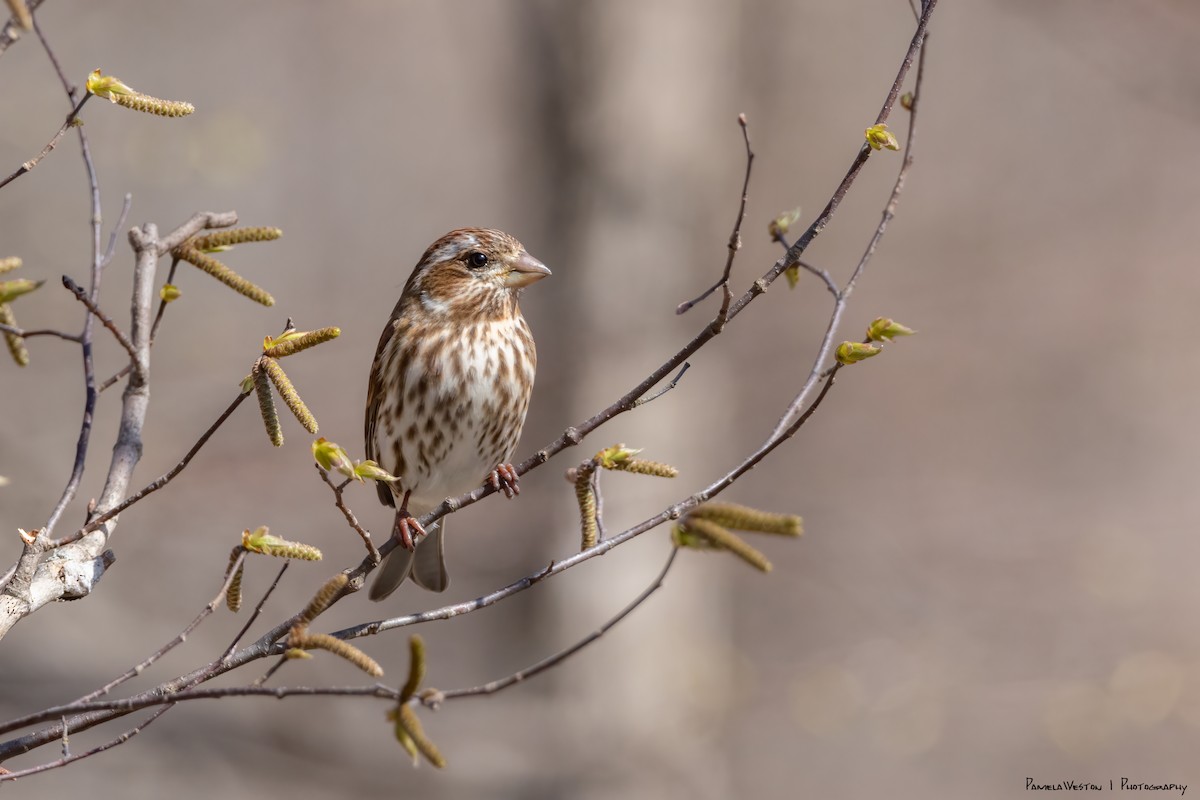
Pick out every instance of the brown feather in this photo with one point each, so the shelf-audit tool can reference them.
(451, 378)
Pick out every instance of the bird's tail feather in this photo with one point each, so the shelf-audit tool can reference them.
(426, 565)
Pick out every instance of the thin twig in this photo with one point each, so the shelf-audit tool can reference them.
(156, 484)
(126, 205)
(735, 241)
(641, 401)
(122, 739)
(823, 274)
(24, 334)
(673, 511)
(162, 304)
(89, 703)
(574, 434)
(89, 371)
(256, 612)
(205, 612)
(98, 712)
(105, 320)
(563, 655)
(35, 582)
(348, 514)
(889, 211)
(33, 162)
(137, 703)
(267, 644)
(158, 318)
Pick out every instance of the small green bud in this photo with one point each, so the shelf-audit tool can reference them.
(878, 136)
(371, 471)
(610, 457)
(884, 330)
(332, 456)
(853, 352)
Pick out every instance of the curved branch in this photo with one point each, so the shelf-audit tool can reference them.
(266, 645)
(842, 296)
(552, 661)
(78, 566)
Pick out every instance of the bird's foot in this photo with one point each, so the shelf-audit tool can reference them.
(405, 527)
(504, 479)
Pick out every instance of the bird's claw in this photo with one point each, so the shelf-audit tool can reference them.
(406, 525)
(504, 479)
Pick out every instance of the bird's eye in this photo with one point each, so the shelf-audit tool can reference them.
(477, 260)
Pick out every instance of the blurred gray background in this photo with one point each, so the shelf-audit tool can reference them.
(1000, 512)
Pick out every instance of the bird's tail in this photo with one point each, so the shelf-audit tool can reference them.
(426, 564)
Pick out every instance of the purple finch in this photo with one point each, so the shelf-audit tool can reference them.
(449, 389)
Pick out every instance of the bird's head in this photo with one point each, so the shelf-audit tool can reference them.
(473, 271)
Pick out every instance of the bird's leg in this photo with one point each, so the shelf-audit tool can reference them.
(504, 479)
(405, 525)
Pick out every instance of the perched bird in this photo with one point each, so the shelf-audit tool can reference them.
(449, 389)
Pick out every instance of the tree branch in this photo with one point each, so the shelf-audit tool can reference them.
(268, 644)
(842, 296)
(62, 131)
(105, 320)
(205, 612)
(79, 565)
(561, 656)
(735, 241)
(99, 519)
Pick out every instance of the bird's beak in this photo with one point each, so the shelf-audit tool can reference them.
(524, 270)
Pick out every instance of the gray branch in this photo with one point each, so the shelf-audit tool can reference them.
(72, 571)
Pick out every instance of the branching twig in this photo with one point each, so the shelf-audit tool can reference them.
(735, 241)
(127, 705)
(563, 655)
(124, 737)
(823, 274)
(347, 513)
(158, 318)
(24, 334)
(205, 612)
(130, 704)
(256, 612)
(269, 643)
(105, 320)
(842, 296)
(103, 711)
(33, 162)
(673, 511)
(574, 435)
(641, 401)
(89, 375)
(77, 566)
(100, 519)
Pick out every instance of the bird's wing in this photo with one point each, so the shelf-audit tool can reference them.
(374, 398)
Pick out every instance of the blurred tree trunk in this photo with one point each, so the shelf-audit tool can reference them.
(635, 97)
